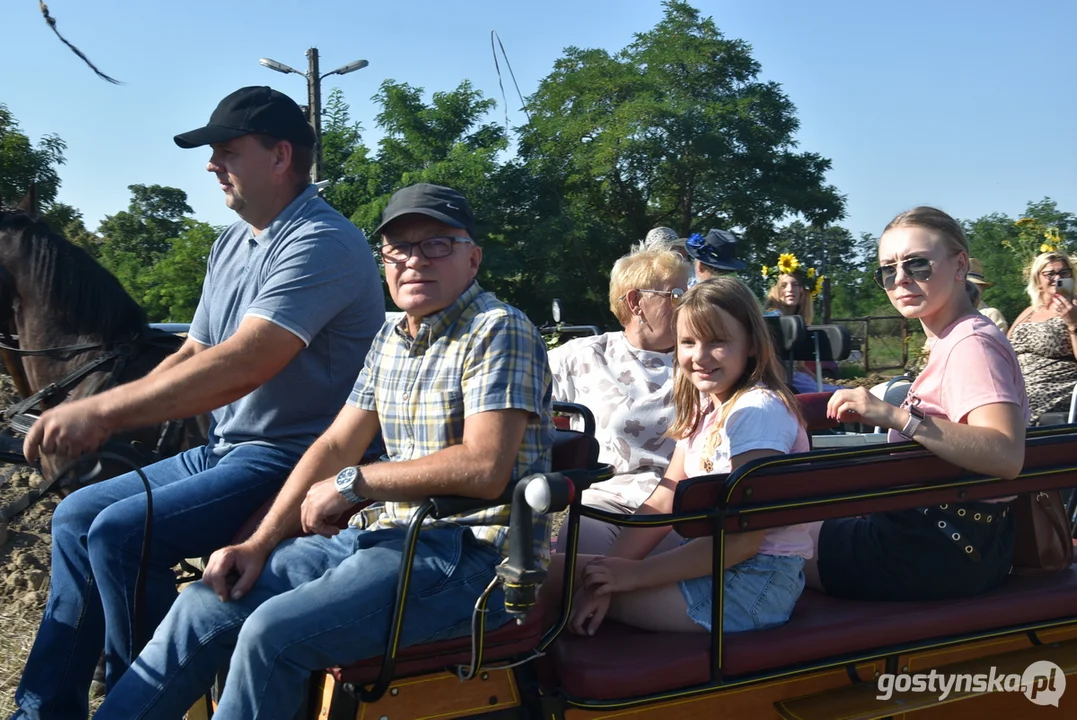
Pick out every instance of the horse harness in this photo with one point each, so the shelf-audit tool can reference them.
(18, 417)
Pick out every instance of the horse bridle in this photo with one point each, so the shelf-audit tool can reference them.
(16, 417)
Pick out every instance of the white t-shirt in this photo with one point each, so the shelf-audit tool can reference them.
(758, 421)
(630, 392)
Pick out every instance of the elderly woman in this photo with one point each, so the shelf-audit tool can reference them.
(1044, 336)
(625, 378)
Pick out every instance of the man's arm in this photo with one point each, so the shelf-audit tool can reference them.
(479, 467)
(232, 570)
(197, 382)
(189, 349)
(342, 445)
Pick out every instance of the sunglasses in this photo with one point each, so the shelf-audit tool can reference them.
(917, 268)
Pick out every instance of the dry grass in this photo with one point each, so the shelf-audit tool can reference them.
(18, 624)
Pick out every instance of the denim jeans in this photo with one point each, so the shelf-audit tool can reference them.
(319, 602)
(759, 593)
(199, 501)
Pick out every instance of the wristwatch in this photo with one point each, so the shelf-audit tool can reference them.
(345, 483)
(916, 416)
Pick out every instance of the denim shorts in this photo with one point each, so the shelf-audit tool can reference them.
(759, 593)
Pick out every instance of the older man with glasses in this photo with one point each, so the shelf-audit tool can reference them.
(460, 390)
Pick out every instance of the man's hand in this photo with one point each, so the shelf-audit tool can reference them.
(588, 612)
(321, 508)
(606, 575)
(232, 571)
(70, 429)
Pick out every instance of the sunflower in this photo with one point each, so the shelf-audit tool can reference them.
(1045, 248)
(788, 263)
(811, 273)
(766, 272)
(818, 285)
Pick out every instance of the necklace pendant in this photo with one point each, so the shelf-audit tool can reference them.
(708, 465)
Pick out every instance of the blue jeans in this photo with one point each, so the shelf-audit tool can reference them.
(759, 593)
(319, 602)
(199, 501)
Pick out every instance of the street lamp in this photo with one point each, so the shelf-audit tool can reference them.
(314, 96)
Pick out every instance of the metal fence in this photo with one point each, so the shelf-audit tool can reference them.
(881, 340)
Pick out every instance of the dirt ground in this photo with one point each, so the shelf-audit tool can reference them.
(24, 569)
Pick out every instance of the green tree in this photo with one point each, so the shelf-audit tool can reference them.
(134, 240)
(173, 285)
(1007, 246)
(834, 252)
(676, 129)
(23, 163)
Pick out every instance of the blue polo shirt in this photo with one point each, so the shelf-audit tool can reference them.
(312, 273)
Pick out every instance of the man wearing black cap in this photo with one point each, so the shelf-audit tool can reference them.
(714, 254)
(290, 305)
(460, 389)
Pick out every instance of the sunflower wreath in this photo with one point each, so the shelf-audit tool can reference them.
(788, 264)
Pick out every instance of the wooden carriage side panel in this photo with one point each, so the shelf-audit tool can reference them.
(437, 695)
(748, 702)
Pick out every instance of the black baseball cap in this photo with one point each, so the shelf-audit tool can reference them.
(437, 201)
(256, 109)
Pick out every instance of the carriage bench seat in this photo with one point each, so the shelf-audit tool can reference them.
(620, 662)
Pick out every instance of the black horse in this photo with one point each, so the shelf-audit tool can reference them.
(78, 333)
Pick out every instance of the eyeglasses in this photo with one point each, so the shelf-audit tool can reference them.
(917, 268)
(1053, 275)
(431, 248)
(674, 294)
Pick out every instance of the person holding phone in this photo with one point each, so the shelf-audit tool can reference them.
(1044, 336)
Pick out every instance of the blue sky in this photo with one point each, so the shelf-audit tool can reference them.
(965, 105)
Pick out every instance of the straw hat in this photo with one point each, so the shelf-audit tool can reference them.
(976, 273)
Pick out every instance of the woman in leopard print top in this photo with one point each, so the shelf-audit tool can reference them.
(1044, 337)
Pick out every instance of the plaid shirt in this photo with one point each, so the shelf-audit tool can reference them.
(476, 355)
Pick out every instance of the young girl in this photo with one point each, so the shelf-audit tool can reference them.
(731, 407)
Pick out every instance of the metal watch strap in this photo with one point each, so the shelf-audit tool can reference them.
(345, 484)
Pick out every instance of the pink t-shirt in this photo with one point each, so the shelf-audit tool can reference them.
(971, 365)
(758, 421)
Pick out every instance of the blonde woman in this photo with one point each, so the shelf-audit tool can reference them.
(1044, 336)
(626, 379)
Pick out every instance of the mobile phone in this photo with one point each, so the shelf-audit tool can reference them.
(1064, 286)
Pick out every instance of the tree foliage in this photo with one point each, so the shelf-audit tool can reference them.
(23, 163)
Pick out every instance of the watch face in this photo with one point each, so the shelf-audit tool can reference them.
(347, 476)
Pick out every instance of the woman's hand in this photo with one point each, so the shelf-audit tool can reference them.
(606, 575)
(1065, 309)
(588, 612)
(860, 406)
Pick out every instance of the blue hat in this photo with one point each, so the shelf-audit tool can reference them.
(717, 250)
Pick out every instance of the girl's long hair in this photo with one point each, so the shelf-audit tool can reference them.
(699, 308)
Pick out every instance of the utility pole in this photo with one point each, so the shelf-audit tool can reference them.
(314, 97)
(314, 102)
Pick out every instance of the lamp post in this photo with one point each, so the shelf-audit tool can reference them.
(314, 96)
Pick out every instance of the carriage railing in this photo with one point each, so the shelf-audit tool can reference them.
(807, 487)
